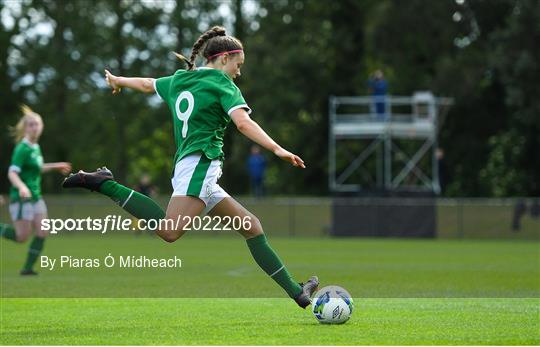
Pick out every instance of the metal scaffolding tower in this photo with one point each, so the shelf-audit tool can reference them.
(397, 135)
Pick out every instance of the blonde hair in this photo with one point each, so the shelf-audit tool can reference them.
(17, 131)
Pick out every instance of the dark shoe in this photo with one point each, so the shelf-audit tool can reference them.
(304, 299)
(28, 273)
(88, 180)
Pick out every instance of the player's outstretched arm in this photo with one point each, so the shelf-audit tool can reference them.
(141, 84)
(254, 132)
(63, 167)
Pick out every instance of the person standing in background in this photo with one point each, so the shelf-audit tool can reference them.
(256, 166)
(146, 186)
(378, 88)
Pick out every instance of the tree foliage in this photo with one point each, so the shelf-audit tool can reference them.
(485, 54)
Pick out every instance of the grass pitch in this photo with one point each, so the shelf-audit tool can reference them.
(267, 321)
(406, 292)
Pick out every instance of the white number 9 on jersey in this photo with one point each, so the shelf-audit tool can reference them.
(184, 116)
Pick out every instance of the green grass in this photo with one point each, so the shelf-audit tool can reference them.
(267, 321)
(366, 267)
(406, 292)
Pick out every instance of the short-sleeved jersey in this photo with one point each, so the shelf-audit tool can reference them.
(27, 161)
(201, 102)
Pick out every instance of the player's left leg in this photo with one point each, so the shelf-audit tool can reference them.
(22, 214)
(22, 222)
(36, 245)
(7, 231)
(263, 254)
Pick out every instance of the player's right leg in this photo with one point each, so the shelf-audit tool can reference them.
(180, 211)
(102, 180)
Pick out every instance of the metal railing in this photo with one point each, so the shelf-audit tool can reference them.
(380, 124)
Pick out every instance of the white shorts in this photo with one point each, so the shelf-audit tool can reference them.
(196, 175)
(27, 210)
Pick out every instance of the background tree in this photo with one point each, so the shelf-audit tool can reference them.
(298, 53)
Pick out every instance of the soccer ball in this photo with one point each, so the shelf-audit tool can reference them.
(332, 305)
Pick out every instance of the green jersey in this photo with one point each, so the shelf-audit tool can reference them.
(27, 161)
(201, 102)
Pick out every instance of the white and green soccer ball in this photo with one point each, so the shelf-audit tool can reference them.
(332, 305)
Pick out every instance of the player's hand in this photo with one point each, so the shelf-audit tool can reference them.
(290, 157)
(112, 81)
(64, 168)
(24, 192)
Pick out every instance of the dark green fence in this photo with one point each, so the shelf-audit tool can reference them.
(297, 216)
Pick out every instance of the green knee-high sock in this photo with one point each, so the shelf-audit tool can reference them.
(269, 261)
(36, 246)
(137, 204)
(8, 231)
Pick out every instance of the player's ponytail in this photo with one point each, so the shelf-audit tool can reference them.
(213, 41)
(17, 131)
(185, 60)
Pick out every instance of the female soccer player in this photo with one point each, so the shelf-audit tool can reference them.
(26, 207)
(202, 102)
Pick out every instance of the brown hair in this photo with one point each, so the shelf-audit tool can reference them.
(17, 131)
(212, 42)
